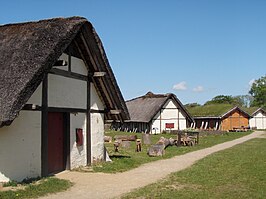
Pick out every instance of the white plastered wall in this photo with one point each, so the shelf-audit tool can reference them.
(168, 114)
(258, 121)
(20, 144)
(78, 154)
(66, 92)
(97, 128)
(72, 93)
(77, 65)
(20, 147)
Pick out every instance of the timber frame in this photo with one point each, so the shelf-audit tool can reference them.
(74, 36)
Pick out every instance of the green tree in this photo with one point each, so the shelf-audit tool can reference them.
(221, 99)
(258, 91)
(243, 100)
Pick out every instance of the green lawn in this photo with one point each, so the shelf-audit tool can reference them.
(127, 159)
(238, 172)
(37, 189)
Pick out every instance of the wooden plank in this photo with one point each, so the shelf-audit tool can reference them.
(99, 74)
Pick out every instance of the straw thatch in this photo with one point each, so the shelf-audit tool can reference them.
(144, 108)
(29, 50)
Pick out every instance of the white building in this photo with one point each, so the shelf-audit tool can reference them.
(56, 90)
(258, 119)
(155, 113)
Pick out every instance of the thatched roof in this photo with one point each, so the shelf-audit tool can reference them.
(144, 108)
(214, 110)
(29, 50)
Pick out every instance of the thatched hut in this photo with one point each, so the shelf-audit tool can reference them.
(56, 88)
(155, 113)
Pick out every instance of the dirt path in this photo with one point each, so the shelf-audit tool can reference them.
(100, 185)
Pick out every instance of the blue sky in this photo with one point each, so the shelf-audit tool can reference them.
(196, 49)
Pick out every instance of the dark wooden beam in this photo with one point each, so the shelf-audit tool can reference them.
(67, 110)
(69, 60)
(88, 127)
(44, 128)
(97, 111)
(32, 107)
(64, 73)
(60, 63)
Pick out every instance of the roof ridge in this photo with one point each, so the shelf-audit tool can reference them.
(44, 20)
(149, 95)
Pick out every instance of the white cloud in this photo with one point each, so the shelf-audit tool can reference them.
(180, 86)
(198, 89)
(251, 82)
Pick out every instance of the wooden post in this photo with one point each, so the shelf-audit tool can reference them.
(138, 145)
(179, 138)
(44, 128)
(88, 126)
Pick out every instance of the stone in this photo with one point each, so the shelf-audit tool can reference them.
(156, 150)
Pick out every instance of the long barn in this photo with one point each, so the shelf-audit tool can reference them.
(56, 90)
(155, 113)
(222, 117)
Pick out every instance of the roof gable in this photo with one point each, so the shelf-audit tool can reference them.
(29, 50)
(236, 108)
(259, 110)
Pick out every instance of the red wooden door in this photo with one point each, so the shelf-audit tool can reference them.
(55, 142)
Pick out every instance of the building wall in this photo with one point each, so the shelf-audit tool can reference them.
(236, 119)
(97, 128)
(258, 121)
(77, 65)
(20, 144)
(170, 113)
(24, 160)
(72, 93)
(66, 92)
(20, 147)
(78, 154)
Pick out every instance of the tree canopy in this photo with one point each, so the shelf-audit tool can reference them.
(258, 91)
(240, 100)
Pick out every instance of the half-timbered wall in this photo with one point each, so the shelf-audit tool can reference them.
(65, 94)
(169, 115)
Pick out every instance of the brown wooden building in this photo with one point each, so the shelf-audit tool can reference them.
(224, 119)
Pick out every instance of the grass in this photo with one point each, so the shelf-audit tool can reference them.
(36, 189)
(210, 110)
(238, 172)
(127, 159)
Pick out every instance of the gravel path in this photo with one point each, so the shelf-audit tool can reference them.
(101, 185)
